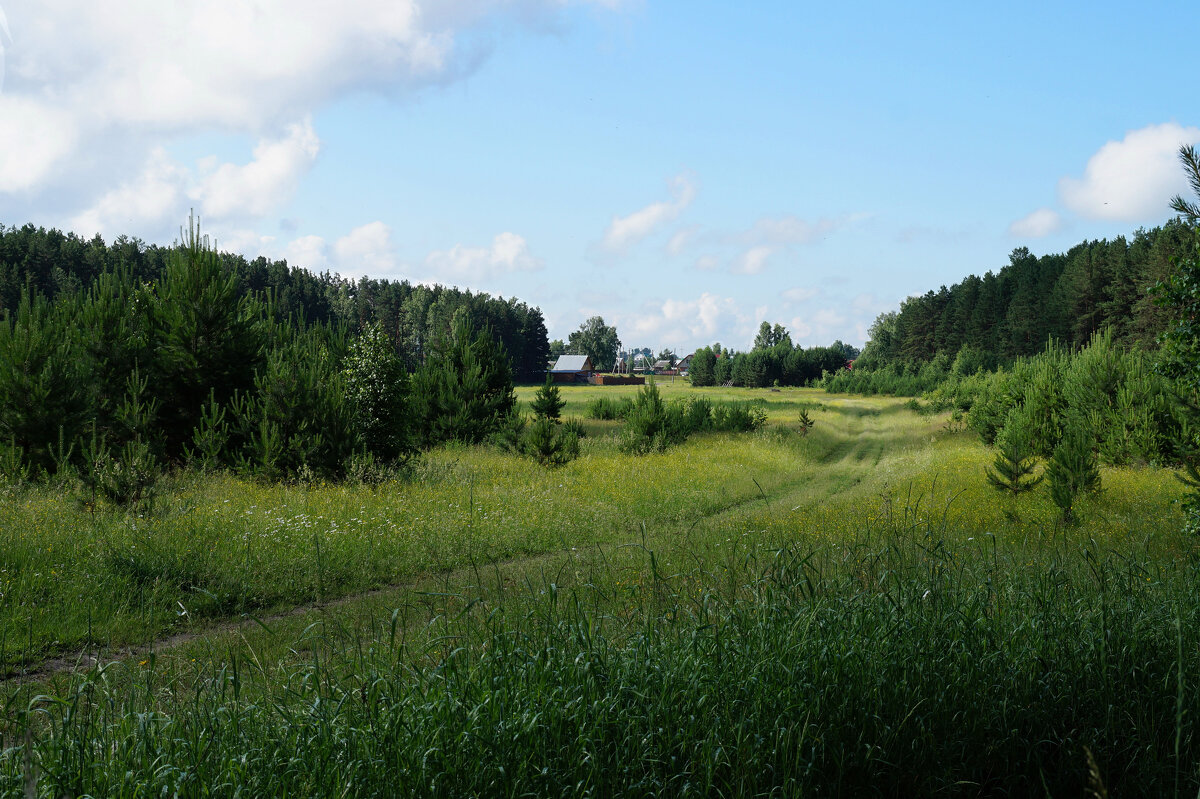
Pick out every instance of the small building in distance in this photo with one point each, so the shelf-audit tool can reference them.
(572, 369)
(684, 363)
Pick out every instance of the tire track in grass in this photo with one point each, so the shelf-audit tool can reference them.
(847, 465)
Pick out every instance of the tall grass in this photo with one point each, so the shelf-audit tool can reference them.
(894, 662)
(852, 612)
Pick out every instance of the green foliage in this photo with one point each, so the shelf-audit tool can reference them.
(377, 388)
(209, 337)
(42, 385)
(653, 424)
(1015, 461)
(703, 371)
(210, 438)
(465, 390)
(509, 434)
(575, 426)
(598, 341)
(548, 402)
(550, 443)
(806, 422)
(609, 408)
(1073, 469)
(649, 427)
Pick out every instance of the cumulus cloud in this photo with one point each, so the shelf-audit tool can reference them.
(164, 190)
(508, 253)
(34, 140)
(309, 252)
(689, 322)
(1131, 180)
(366, 250)
(262, 185)
(143, 73)
(1041, 222)
(625, 231)
(153, 200)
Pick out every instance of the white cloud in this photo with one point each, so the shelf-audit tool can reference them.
(1041, 222)
(144, 72)
(161, 194)
(154, 199)
(788, 230)
(748, 251)
(681, 239)
(1131, 180)
(309, 252)
(689, 323)
(798, 295)
(819, 328)
(625, 231)
(366, 250)
(257, 188)
(753, 260)
(508, 253)
(34, 140)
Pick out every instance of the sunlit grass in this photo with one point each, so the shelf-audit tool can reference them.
(852, 612)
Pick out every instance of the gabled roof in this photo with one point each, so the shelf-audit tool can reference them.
(573, 363)
(662, 364)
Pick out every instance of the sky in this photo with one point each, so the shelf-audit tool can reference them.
(686, 170)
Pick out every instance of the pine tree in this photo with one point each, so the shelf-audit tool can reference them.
(548, 402)
(464, 391)
(1073, 468)
(1012, 470)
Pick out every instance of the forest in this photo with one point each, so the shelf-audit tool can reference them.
(49, 263)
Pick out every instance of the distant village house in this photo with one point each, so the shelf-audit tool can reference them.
(572, 369)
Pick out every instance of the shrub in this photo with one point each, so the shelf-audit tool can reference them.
(550, 443)
(609, 408)
(649, 427)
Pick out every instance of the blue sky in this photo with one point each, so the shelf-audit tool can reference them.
(685, 170)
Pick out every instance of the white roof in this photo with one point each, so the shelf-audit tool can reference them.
(572, 363)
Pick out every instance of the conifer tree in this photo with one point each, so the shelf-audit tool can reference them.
(210, 337)
(464, 390)
(548, 402)
(1012, 470)
(1073, 468)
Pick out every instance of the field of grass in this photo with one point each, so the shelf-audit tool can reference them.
(852, 612)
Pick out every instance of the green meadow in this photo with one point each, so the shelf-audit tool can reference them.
(852, 611)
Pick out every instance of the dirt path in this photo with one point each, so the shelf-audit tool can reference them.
(847, 465)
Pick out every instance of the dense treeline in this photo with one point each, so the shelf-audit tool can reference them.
(1011, 314)
(51, 263)
(106, 381)
(773, 361)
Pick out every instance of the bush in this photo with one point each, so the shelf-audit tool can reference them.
(550, 443)
(609, 408)
(649, 426)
